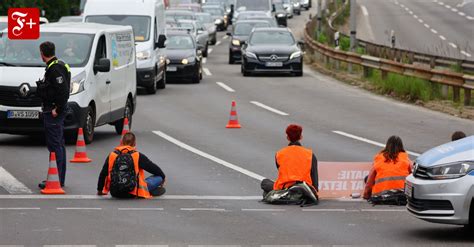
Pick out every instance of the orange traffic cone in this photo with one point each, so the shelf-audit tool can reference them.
(125, 129)
(81, 154)
(52, 183)
(233, 120)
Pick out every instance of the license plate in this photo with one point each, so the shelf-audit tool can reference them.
(171, 68)
(23, 114)
(274, 64)
(408, 189)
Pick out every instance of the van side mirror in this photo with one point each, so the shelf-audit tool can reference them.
(229, 34)
(273, 7)
(161, 41)
(103, 65)
(301, 44)
(231, 8)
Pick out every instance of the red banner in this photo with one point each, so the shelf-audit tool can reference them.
(341, 179)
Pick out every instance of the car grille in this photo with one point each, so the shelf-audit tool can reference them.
(423, 205)
(268, 57)
(10, 96)
(421, 172)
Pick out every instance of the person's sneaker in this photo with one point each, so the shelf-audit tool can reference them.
(158, 191)
(42, 185)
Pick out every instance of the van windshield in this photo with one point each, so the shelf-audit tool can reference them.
(140, 24)
(72, 48)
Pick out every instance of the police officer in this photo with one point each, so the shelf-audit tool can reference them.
(53, 90)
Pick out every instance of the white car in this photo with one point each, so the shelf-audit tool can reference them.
(441, 188)
(103, 79)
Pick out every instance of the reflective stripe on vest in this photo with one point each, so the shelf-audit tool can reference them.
(294, 165)
(141, 190)
(57, 61)
(381, 180)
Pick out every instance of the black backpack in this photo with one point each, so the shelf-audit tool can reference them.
(123, 176)
(298, 194)
(391, 197)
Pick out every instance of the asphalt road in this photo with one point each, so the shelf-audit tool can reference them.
(441, 27)
(213, 198)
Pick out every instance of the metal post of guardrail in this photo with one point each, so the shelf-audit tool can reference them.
(456, 94)
(468, 85)
(467, 96)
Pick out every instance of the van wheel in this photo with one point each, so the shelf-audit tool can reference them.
(89, 125)
(127, 114)
(152, 88)
(162, 83)
(231, 58)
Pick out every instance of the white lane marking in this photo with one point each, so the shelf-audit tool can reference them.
(415, 16)
(378, 144)
(441, 3)
(95, 197)
(78, 208)
(209, 51)
(68, 245)
(465, 54)
(11, 184)
(453, 45)
(470, 18)
(447, 6)
(209, 157)
(324, 210)
(140, 209)
(427, 26)
(461, 13)
(206, 71)
(225, 37)
(269, 108)
(410, 12)
(218, 43)
(273, 245)
(364, 10)
(420, 20)
(263, 210)
(204, 209)
(435, 1)
(402, 5)
(454, 10)
(442, 37)
(224, 86)
(20, 208)
(434, 31)
(137, 245)
(204, 60)
(383, 210)
(407, 9)
(216, 245)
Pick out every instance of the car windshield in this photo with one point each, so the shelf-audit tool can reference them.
(205, 18)
(181, 42)
(214, 11)
(246, 28)
(262, 5)
(272, 37)
(187, 26)
(72, 48)
(249, 15)
(179, 16)
(140, 24)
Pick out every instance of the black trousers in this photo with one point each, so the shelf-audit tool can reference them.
(54, 131)
(267, 185)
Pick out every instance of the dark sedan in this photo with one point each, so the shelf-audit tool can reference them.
(184, 58)
(240, 34)
(272, 50)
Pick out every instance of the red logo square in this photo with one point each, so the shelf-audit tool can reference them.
(23, 23)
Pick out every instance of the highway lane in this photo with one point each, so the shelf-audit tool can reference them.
(435, 27)
(196, 115)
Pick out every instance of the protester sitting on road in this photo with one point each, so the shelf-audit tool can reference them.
(294, 163)
(457, 135)
(123, 173)
(391, 166)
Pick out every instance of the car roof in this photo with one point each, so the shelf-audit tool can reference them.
(180, 11)
(178, 32)
(81, 27)
(460, 150)
(213, 6)
(272, 29)
(250, 21)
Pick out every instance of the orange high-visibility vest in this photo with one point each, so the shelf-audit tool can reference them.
(294, 165)
(141, 190)
(390, 175)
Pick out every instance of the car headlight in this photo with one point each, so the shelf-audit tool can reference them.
(143, 55)
(297, 4)
(218, 21)
(250, 55)
(280, 15)
(187, 60)
(77, 83)
(451, 170)
(295, 54)
(236, 42)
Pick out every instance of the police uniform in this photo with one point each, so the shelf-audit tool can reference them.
(54, 92)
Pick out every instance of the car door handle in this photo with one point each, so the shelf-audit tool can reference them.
(107, 82)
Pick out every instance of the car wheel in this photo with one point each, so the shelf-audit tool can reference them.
(299, 74)
(127, 114)
(195, 79)
(307, 8)
(244, 72)
(299, 12)
(204, 54)
(231, 58)
(162, 83)
(214, 40)
(89, 125)
(200, 72)
(151, 89)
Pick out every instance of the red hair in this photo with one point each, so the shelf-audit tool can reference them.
(293, 132)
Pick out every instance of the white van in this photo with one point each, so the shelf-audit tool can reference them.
(103, 84)
(147, 18)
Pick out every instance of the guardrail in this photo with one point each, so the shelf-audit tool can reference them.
(412, 57)
(453, 79)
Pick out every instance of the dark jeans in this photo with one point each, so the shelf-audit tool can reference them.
(267, 185)
(153, 182)
(54, 131)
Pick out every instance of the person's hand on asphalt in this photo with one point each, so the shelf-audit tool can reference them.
(54, 112)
